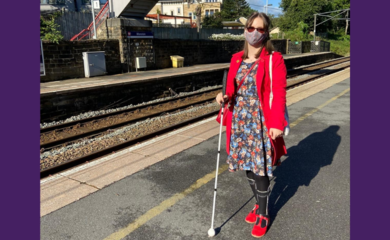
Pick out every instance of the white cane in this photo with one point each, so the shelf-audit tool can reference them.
(211, 231)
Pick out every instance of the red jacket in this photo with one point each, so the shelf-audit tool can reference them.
(274, 118)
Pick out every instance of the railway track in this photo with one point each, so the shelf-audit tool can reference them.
(72, 132)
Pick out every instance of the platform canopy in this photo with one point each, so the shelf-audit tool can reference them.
(133, 8)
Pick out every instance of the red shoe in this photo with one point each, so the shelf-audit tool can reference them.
(251, 217)
(260, 227)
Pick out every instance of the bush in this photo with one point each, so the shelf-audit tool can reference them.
(49, 29)
(227, 36)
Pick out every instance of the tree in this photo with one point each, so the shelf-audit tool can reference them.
(198, 14)
(49, 29)
(274, 21)
(304, 10)
(338, 5)
(234, 9)
(214, 21)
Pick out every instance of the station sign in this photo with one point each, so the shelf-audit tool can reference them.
(139, 34)
(96, 4)
(43, 73)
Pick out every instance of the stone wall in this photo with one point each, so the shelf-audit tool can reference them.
(117, 28)
(65, 60)
(57, 106)
(200, 51)
(61, 106)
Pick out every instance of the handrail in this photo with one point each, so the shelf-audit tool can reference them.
(98, 17)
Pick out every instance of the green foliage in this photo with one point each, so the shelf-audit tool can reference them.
(304, 10)
(296, 11)
(49, 29)
(214, 21)
(342, 48)
(300, 33)
(274, 21)
(233, 9)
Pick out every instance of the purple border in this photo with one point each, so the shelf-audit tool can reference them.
(369, 105)
(20, 203)
(20, 102)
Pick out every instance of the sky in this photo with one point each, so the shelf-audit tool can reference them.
(258, 5)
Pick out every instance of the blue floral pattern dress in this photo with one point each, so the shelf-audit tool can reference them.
(250, 146)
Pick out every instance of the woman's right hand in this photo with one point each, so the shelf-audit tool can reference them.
(221, 99)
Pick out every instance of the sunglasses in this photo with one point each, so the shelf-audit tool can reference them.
(251, 29)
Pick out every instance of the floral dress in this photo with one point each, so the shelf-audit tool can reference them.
(250, 146)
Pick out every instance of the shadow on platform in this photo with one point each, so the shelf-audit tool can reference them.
(303, 163)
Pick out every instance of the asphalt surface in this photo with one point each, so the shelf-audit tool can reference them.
(310, 197)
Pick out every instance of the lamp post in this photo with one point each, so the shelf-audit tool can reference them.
(266, 7)
(93, 18)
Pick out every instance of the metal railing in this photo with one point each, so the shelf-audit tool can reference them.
(89, 32)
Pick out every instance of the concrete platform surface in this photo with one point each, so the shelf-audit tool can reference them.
(69, 186)
(82, 84)
(172, 199)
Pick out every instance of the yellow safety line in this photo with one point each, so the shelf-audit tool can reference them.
(164, 205)
(199, 183)
(300, 119)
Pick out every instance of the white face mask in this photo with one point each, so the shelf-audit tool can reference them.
(255, 37)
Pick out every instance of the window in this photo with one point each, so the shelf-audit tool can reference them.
(192, 15)
(171, 13)
(178, 10)
(211, 12)
(207, 13)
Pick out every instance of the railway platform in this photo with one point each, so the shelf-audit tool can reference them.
(83, 84)
(163, 188)
(63, 99)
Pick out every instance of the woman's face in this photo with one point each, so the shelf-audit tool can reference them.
(254, 34)
(257, 23)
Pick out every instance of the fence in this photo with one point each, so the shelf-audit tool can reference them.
(169, 25)
(294, 47)
(71, 23)
(320, 46)
(190, 33)
(175, 33)
(308, 46)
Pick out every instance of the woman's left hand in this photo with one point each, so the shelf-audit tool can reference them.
(275, 133)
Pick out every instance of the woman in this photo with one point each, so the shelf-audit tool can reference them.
(254, 131)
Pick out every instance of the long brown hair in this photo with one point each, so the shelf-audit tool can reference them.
(267, 42)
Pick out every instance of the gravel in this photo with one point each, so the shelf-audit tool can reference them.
(113, 137)
(320, 71)
(101, 112)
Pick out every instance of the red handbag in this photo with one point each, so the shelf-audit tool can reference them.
(225, 113)
(226, 107)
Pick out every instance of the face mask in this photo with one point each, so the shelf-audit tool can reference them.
(254, 38)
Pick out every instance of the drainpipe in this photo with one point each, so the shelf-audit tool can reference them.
(76, 9)
(110, 7)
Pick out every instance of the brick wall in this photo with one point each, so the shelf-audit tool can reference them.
(65, 60)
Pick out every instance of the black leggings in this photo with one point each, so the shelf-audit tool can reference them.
(260, 188)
